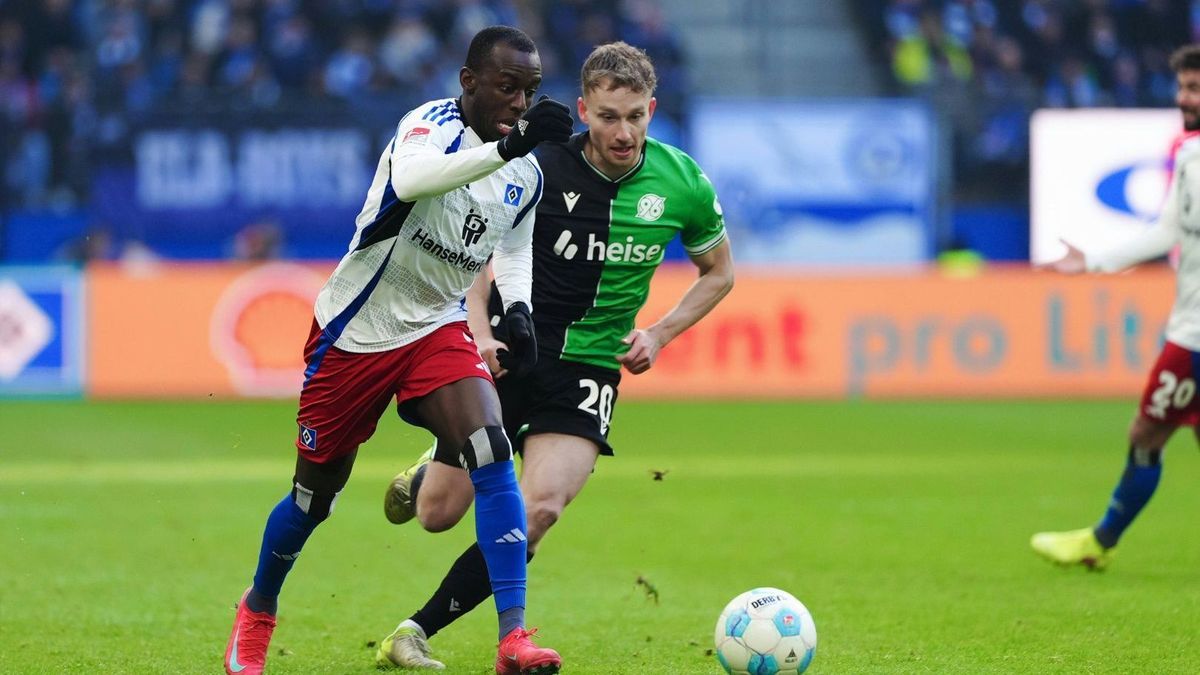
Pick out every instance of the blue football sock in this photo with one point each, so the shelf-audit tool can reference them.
(1137, 485)
(500, 530)
(287, 529)
(511, 619)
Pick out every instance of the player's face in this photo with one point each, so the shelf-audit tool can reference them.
(1187, 97)
(617, 120)
(496, 95)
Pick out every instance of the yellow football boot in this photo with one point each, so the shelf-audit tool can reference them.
(1076, 547)
(400, 502)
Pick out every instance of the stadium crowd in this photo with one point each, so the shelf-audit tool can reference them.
(74, 73)
(989, 63)
(77, 75)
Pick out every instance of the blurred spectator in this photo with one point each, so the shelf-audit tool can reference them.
(645, 25)
(293, 50)
(1127, 90)
(929, 56)
(94, 245)
(258, 241)
(408, 50)
(351, 68)
(1072, 84)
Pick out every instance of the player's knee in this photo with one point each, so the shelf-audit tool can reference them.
(1149, 437)
(317, 505)
(487, 445)
(541, 515)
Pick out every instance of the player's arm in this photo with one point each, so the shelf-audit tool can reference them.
(421, 168)
(513, 261)
(1152, 243)
(714, 283)
(480, 321)
(513, 266)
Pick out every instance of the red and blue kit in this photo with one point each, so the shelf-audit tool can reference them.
(390, 321)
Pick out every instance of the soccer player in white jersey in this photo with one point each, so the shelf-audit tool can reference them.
(1169, 399)
(452, 187)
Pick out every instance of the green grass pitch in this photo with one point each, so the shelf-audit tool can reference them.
(130, 529)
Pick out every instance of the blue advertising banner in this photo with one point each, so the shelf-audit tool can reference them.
(186, 186)
(822, 183)
(41, 331)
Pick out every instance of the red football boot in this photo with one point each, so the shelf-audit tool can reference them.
(519, 656)
(246, 653)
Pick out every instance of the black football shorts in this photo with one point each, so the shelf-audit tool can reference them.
(563, 397)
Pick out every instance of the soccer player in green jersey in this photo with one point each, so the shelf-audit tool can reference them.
(613, 200)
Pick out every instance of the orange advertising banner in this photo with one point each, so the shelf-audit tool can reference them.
(235, 330)
(1007, 332)
(199, 329)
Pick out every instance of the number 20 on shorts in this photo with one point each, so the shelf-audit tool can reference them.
(1171, 392)
(601, 395)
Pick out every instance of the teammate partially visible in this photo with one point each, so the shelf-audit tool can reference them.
(1169, 400)
(614, 200)
(453, 186)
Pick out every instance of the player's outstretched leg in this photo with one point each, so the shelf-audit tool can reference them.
(1139, 480)
(400, 501)
(1094, 547)
(288, 527)
(407, 647)
(1075, 547)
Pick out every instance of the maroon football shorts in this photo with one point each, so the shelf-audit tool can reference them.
(1170, 395)
(347, 392)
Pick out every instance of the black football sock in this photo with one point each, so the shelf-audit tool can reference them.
(465, 586)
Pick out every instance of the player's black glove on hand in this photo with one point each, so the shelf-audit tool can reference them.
(546, 120)
(521, 354)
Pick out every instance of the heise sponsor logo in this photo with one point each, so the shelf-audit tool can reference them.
(613, 251)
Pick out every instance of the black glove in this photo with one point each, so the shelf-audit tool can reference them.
(546, 120)
(521, 354)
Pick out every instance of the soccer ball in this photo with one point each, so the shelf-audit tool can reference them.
(763, 632)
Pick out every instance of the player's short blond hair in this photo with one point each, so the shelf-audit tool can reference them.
(622, 65)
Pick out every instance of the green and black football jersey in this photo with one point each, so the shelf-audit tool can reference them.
(597, 242)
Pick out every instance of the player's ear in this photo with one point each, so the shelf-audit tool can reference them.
(581, 107)
(650, 108)
(466, 79)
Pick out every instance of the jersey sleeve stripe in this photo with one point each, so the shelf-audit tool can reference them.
(436, 110)
(447, 112)
(453, 147)
(334, 329)
(706, 246)
(388, 219)
(537, 197)
(387, 224)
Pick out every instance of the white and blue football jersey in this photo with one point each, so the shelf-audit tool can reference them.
(1178, 223)
(442, 201)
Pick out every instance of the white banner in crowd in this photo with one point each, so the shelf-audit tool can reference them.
(822, 183)
(1097, 176)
